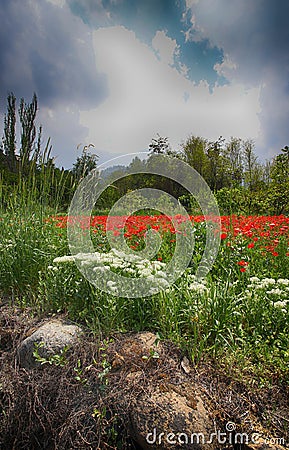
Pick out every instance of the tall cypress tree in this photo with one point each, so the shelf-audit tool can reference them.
(27, 115)
(9, 138)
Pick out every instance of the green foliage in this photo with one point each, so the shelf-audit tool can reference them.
(27, 116)
(57, 359)
(240, 182)
(85, 163)
(278, 199)
(232, 200)
(9, 138)
(195, 154)
(159, 145)
(30, 177)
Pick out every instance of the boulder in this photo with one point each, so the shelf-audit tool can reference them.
(167, 409)
(172, 417)
(49, 339)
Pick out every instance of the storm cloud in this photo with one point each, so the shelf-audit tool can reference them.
(47, 50)
(116, 72)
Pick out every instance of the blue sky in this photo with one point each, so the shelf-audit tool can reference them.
(117, 72)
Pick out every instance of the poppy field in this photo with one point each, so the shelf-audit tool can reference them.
(238, 313)
(251, 244)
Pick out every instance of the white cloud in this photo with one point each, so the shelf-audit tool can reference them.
(254, 39)
(190, 3)
(226, 68)
(165, 47)
(146, 96)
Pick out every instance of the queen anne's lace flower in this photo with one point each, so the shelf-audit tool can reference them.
(128, 265)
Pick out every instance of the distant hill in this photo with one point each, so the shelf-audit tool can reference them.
(109, 170)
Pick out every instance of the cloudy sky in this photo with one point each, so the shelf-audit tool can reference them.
(117, 72)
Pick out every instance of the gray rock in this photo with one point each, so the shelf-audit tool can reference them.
(53, 336)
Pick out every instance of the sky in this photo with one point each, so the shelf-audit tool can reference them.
(115, 73)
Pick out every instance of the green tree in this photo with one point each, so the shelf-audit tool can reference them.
(27, 116)
(194, 150)
(279, 187)
(233, 153)
(250, 165)
(137, 165)
(218, 164)
(159, 145)
(85, 163)
(29, 174)
(9, 138)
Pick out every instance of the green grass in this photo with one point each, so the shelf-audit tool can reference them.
(223, 316)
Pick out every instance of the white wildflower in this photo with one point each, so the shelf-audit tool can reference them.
(112, 286)
(129, 270)
(163, 283)
(64, 259)
(85, 263)
(151, 278)
(269, 281)
(117, 253)
(283, 281)
(161, 274)
(101, 269)
(276, 291)
(281, 305)
(254, 279)
(198, 287)
(158, 265)
(117, 265)
(145, 272)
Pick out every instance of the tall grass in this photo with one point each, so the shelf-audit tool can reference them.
(27, 241)
(38, 187)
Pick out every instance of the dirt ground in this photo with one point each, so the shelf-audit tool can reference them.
(85, 403)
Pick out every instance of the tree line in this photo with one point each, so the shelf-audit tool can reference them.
(241, 183)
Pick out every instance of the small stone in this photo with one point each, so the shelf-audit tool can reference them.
(185, 365)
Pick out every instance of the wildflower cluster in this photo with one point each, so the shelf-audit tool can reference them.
(197, 286)
(277, 291)
(116, 262)
(249, 245)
